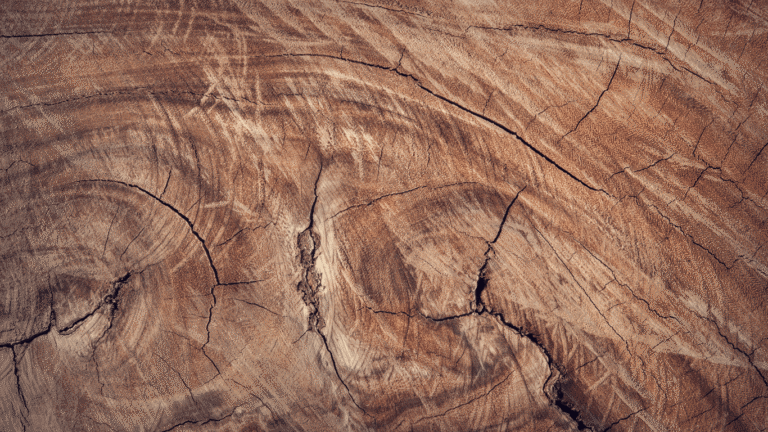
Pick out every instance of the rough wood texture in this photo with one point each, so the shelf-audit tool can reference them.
(399, 216)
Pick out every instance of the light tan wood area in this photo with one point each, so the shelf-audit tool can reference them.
(394, 216)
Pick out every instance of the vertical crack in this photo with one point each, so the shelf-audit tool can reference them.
(111, 300)
(208, 332)
(482, 279)
(310, 284)
(23, 420)
(552, 390)
(338, 375)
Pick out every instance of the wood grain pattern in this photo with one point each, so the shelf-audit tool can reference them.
(383, 215)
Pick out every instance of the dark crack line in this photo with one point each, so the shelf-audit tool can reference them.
(477, 307)
(557, 399)
(109, 300)
(308, 243)
(506, 216)
(749, 359)
(30, 339)
(314, 202)
(131, 242)
(704, 129)
(208, 332)
(18, 161)
(242, 282)
(599, 98)
(377, 199)
(655, 163)
(189, 390)
(168, 180)
(385, 8)
(690, 237)
(622, 419)
(241, 230)
(23, 420)
(457, 105)
(542, 112)
(178, 213)
(468, 402)
(109, 231)
(674, 23)
(597, 357)
(482, 279)
(754, 159)
(660, 52)
(626, 344)
(613, 274)
(149, 90)
(338, 375)
(627, 168)
(204, 422)
(259, 306)
(514, 134)
(75, 99)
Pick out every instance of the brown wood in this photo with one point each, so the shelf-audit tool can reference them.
(406, 216)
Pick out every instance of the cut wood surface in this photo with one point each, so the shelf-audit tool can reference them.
(383, 215)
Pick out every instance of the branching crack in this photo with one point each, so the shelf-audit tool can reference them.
(110, 301)
(482, 278)
(552, 391)
(174, 209)
(311, 281)
(457, 105)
